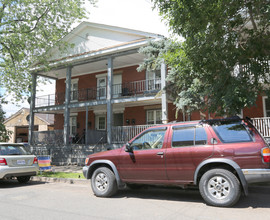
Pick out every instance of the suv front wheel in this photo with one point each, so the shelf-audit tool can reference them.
(103, 182)
(220, 187)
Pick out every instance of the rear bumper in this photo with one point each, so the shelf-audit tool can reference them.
(257, 175)
(6, 171)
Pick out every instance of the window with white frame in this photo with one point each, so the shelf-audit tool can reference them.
(266, 106)
(153, 80)
(74, 90)
(154, 117)
(73, 126)
(100, 122)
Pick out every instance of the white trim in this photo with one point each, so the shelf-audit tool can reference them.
(85, 24)
(73, 114)
(101, 75)
(75, 80)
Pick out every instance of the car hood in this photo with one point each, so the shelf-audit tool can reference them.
(105, 154)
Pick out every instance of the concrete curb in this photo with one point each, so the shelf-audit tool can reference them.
(59, 180)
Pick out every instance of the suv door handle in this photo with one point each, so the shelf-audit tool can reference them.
(160, 153)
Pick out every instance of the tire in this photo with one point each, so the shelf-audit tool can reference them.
(23, 179)
(220, 187)
(103, 182)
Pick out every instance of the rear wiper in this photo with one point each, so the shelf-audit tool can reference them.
(14, 154)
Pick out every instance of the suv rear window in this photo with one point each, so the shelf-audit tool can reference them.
(231, 132)
(13, 150)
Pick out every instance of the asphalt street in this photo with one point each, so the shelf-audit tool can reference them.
(41, 200)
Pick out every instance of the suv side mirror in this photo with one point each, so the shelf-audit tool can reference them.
(128, 148)
(214, 141)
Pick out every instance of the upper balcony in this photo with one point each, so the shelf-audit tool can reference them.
(124, 90)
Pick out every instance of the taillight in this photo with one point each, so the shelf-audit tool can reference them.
(35, 161)
(86, 161)
(3, 162)
(266, 154)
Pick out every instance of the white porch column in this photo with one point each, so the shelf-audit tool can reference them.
(67, 111)
(32, 107)
(164, 104)
(109, 98)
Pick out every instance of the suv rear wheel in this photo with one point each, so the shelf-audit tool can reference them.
(220, 187)
(103, 182)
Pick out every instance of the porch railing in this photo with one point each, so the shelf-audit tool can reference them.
(263, 125)
(122, 134)
(136, 88)
(54, 138)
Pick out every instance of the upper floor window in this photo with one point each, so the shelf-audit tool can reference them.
(153, 80)
(188, 136)
(74, 89)
(154, 117)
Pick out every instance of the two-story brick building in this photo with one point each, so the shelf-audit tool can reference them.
(100, 96)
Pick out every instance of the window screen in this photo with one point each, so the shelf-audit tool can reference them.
(189, 136)
(230, 132)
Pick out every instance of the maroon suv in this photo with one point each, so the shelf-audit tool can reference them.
(220, 156)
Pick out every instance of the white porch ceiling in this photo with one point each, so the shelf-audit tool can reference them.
(97, 66)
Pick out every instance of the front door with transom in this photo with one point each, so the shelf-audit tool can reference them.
(101, 88)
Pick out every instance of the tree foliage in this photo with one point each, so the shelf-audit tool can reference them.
(28, 29)
(4, 134)
(224, 62)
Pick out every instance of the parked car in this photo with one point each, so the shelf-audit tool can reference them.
(220, 156)
(16, 161)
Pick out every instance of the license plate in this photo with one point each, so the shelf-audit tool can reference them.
(21, 162)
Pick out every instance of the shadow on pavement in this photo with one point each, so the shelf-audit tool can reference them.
(13, 183)
(259, 197)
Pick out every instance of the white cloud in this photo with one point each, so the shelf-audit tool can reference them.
(132, 14)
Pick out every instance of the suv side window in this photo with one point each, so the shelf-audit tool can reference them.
(188, 136)
(231, 132)
(152, 139)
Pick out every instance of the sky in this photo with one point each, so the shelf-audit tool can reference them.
(132, 14)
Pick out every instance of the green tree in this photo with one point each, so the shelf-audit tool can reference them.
(224, 62)
(28, 29)
(4, 134)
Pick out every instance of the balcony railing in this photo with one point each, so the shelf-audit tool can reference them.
(136, 88)
(263, 125)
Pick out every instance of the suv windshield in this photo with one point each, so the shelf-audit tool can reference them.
(232, 131)
(13, 150)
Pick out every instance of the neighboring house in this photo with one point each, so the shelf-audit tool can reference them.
(18, 124)
(100, 97)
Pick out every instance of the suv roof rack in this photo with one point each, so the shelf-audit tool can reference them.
(214, 121)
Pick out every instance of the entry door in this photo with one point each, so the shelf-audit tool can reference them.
(147, 161)
(101, 88)
(118, 119)
(117, 85)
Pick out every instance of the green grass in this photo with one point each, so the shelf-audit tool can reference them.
(61, 175)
